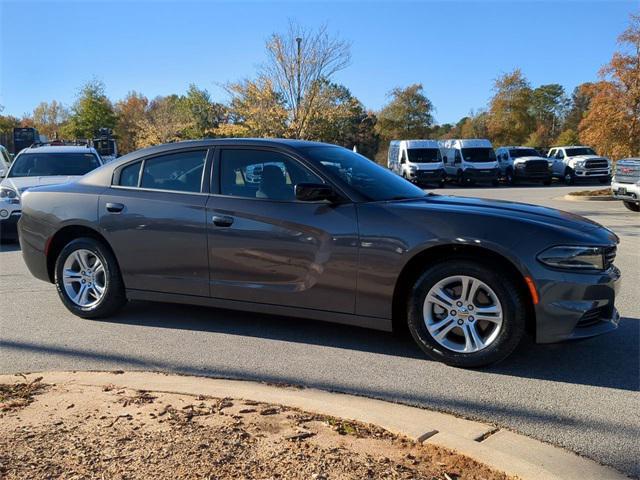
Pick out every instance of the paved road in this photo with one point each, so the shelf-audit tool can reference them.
(582, 395)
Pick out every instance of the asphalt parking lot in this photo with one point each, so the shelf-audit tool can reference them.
(581, 395)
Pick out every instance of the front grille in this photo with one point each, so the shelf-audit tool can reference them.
(609, 256)
(591, 317)
(596, 164)
(537, 166)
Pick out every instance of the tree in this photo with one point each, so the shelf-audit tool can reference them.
(297, 62)
(409, 114)
(130, 113)
(91, 111)
(579, 105)
(568, 137)
(166, 121)
(49, 118)
(612, 124)
(256, 110)
(205, 114)
(548, 106)
(510, 121)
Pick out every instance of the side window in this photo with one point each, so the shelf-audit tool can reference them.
(130, 174)
(181, 171)
(560, 154)
(458, 157)
(261, 174)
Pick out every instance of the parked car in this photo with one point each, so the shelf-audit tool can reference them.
(5, 161)
(579, 163)
(470, 161)
(418, 161)
(39, 165)
(625, 184)
(336, 238)
(523, 163)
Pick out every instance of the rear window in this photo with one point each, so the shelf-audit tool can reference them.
(53, 164)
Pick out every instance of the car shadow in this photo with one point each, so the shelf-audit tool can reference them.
(606, 361)
(9, 246)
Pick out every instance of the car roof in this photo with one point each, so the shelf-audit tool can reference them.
(570, 146)
(59, 149)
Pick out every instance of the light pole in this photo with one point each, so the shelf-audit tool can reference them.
(299, 42)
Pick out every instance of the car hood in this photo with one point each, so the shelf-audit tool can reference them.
(517, 211)
(20, 184)
(527, 159)
(587, 157)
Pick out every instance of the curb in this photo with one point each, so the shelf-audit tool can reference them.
(502, 450)
(588, 198)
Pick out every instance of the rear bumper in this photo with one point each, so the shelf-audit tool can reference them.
(577, 305)
(629, 192)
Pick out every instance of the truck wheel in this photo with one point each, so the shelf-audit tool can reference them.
(634, 207)
(460, 178)
(466, 314)
(495, 182)
(547, 181)
(509, 177)
(569, 177)
(88, 279)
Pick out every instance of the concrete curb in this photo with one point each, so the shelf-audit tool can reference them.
(503, 450)
(587, 198)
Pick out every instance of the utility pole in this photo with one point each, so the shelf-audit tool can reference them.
(299, 42)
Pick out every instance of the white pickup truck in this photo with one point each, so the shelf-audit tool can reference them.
(626, 183)
(578, 162)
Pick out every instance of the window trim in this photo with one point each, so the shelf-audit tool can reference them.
(204, 186)
(216, 178)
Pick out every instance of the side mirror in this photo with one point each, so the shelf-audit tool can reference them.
(445, 159)
(314, 192)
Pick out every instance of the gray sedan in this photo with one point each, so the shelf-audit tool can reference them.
(313, 230)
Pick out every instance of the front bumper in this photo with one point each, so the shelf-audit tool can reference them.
(426, 176)
(576, 305)
(592, 172)
(629, 192)
(9, 225)
(481, 174)
(524, 174)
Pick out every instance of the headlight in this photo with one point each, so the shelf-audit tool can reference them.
(580, 163)
(7, 193)
(574, 258)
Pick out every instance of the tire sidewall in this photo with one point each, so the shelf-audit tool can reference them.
(112, 277)
(513, 325)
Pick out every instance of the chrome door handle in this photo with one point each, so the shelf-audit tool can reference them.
(222, 221)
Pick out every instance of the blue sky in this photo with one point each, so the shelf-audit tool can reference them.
(455, 49)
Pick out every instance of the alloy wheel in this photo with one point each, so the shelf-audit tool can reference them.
(463, 314)
(84, 278)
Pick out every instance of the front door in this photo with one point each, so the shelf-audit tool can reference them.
(267, 247)
(154, 218)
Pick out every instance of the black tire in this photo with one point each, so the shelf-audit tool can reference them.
(547, 182)
(509, 178)
(460, 178)
(511, 298)
(114, 297)
(634, 207)
(569, 177)
(495, 182)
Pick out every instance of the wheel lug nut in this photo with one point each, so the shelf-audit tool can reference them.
(453, 312)
(83, 272)
(460, 322)
(83, 281)
(471, 319)
(459, 304)
(470, 307)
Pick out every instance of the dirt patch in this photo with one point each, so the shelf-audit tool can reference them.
(20, 394)
(111, 433)
(603, 192)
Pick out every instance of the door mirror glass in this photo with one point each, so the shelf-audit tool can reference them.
(314, 192)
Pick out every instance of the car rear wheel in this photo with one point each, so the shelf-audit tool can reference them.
(634, 207)
(569, 177)
(466, 314)
(88, 279)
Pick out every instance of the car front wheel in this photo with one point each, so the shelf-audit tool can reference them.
(88, 279)
(466, 314)
(634, 207)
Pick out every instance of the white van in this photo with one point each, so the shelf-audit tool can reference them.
(419, 161)
(470, 160)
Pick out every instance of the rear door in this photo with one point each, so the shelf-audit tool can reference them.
(154, 218)
(267, 247)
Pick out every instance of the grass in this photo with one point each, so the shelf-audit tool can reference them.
(603, 192)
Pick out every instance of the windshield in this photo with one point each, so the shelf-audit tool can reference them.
(574, 152)
(424, 155)
(523, 152)
(478, 155)
(46, 164)
(369, 179)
